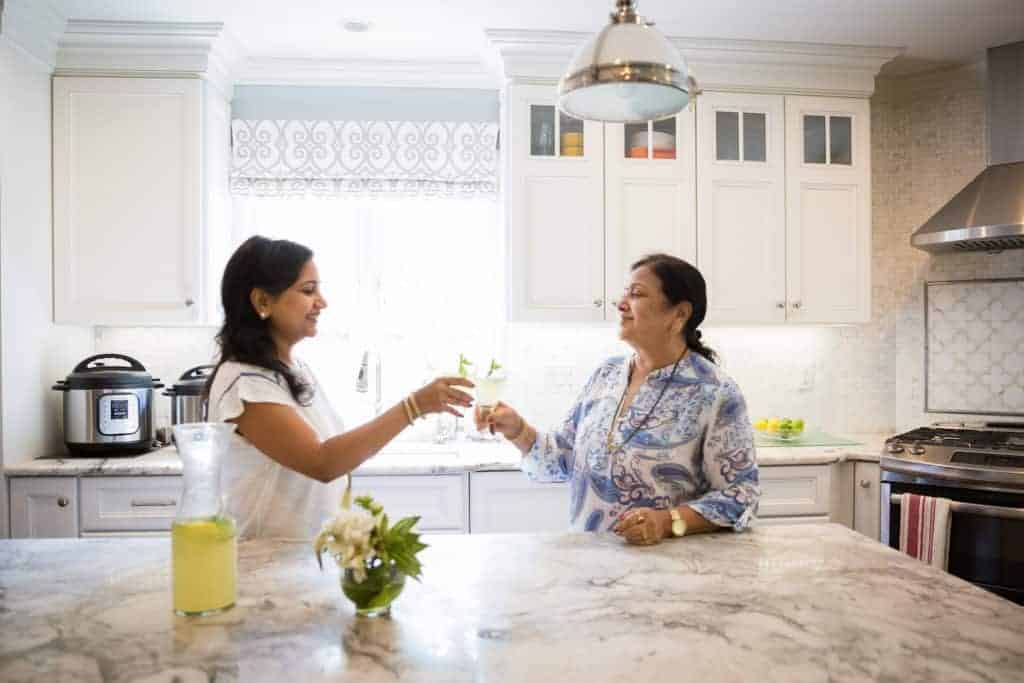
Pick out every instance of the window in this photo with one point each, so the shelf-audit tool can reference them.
(418, 279)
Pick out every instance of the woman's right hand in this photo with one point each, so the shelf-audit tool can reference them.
(501, 418)
(443, 393)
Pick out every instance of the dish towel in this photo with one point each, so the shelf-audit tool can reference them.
(924, 528)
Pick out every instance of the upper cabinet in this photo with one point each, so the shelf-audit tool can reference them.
(127, 210)
(141, 152)
(828, 209)
(585, 200)
(741, 212)
(556, 224)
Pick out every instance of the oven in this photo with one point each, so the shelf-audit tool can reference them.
(986, 543)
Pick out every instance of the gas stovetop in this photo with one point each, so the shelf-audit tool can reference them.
(991, 453)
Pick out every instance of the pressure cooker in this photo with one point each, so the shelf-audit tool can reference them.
(108, 408)
(187, 401)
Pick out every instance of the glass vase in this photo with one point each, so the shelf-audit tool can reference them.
(373, 596)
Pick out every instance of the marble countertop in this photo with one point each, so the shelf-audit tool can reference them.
(409, 457)
(786, 603)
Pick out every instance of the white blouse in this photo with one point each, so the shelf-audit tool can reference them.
(266, 498)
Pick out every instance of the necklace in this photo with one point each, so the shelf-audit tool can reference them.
(622, 399)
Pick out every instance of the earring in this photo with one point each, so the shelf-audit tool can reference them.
(263, 315)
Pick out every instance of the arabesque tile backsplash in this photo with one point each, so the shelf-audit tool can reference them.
(928, 141)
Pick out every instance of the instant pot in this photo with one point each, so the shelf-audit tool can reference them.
(108, 407)
(187, 401)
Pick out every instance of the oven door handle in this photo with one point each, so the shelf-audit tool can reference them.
(975, 509)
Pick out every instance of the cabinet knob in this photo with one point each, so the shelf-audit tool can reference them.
(865, 484)
(598, 303)
(189, 302)
(796, 304)
(62, 502)
(781, 304)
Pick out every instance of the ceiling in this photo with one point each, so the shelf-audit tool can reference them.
(934, 33)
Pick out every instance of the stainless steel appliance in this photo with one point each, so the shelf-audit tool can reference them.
(108, 408)
(187, 401)
(980, 467)
(988, 214)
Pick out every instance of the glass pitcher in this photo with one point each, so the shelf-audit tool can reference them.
(204, 544)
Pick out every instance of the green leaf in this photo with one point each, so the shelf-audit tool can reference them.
(495, 366)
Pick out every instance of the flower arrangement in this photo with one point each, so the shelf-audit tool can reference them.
(376, 556)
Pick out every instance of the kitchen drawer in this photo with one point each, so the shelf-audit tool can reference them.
(129, 503)
(789, 491)
(440, 501)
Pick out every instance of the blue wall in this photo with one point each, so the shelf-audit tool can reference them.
(363, 103)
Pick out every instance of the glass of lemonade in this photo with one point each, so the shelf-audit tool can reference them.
(489, 390)
(204, 542)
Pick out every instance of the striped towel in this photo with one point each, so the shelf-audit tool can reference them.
(924, 528)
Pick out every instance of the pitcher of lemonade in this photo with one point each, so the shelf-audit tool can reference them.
(204, 545)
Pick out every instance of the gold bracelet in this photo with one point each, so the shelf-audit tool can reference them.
(415, 408)
(408, 411)
(522, 428)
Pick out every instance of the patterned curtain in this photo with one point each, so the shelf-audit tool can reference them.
(367, 158)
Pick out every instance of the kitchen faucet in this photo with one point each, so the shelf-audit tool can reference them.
(363, 380)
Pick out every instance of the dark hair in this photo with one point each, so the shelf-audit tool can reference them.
(273, 266)
(682, 282)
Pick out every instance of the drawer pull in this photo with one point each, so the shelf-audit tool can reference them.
(62, 502)
(161, 503)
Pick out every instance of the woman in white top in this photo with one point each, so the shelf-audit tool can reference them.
(282, 474)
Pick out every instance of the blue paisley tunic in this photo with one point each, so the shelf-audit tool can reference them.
(697, 448)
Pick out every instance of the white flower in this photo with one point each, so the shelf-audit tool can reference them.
(347, 538)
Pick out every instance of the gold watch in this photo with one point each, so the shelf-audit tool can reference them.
(678, 523)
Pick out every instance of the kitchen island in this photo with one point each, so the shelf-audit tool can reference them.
(798, 603)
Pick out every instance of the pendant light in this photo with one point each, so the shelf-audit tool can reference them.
(627, 73)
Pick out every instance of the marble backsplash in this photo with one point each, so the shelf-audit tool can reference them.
(928, 141)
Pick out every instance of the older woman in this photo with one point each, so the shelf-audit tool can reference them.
(291, 444)
(657, 444)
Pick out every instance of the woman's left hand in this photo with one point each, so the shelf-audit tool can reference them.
(643, 526)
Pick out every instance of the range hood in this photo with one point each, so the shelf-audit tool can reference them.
(988, 214)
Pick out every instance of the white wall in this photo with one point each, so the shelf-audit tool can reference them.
(34, 351)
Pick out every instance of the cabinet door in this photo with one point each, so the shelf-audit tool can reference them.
(555, 211)
(44, 507)
(506, 502)
(866, 500)
(126, 200)
(794, 490)
(650, 195)
(440, 501)
(741, 228)
(828, 209)
(129, 503)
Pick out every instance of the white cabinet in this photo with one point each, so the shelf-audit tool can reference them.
(649, 196)
(866, 500)
(828, 209)
(44, 507)
(741, 216)
(795, 491)
(137, 168)
(555, 212)
(585, 200)
(440, 501)
(129, 504)
(504, 502)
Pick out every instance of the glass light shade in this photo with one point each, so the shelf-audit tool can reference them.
(627, 73)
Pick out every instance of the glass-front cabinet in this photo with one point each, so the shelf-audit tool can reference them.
(554, 133)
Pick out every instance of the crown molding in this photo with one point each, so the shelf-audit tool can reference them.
(717, 64)
(366, 72)
(33, 27)
(161, 49)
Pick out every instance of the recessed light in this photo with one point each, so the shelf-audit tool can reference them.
(355, 25)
